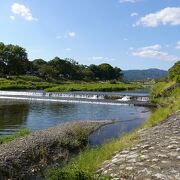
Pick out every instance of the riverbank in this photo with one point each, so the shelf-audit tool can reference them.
(156, 156)
(29, 156)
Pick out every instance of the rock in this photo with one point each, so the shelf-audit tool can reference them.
(160, 176)
(178, 157)
(172, 146)
(129, 168)
(157, 156)
(162, 156)
(155, 160)
(144, 157)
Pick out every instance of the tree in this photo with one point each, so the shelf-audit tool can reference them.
(3, 67)
(47, 71)
(13, 59)
(63, 67)
(96, 71)
(108, 72)
(36, 64)
(118, 73)
(174, 72)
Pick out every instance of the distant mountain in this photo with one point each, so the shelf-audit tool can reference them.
(134, 75)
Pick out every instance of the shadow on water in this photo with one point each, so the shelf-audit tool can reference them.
(114, 130)
(12, 116)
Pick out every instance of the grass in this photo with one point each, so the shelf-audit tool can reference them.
(90, 159)
(84, 166)
(93, 87)
(158, 89)
(23, 83)
(20, 133)
(33, 82)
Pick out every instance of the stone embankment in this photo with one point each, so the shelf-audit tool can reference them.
(28, 157)
(157, 156)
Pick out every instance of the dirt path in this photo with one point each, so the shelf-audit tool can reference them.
(157, 156)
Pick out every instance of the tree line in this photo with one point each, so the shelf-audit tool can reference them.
(14, 61)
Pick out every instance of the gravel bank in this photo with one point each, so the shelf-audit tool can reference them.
(157, 156)
(28, 156)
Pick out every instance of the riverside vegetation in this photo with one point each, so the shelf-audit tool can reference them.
(23, 83)
(165, 94)
(18, 73)
(36, 83)
(14, 61)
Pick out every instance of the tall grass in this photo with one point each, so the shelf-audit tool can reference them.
(93, 87)
(87, 162)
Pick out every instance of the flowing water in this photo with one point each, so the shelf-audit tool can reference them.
(35, 115)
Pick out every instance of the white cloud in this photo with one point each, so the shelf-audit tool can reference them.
(167, 16)
(127, 1)
(178, 45)
(125, 39)
(153, 52)
(23, 11)
(71, 34)
(12, 18)
(153, 47)
(134, 14)
(99, 58)
(67, 49)
(67, 35)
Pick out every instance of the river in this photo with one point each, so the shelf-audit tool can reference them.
(36, 115)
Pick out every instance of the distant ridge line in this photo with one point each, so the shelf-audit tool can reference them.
(135, 75)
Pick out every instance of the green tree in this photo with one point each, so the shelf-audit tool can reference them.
(37, 63)
(3, 67)
(108, 72)
(35, 66)
(63, 67)
(174, 72)
(14, 59)
(47, 71)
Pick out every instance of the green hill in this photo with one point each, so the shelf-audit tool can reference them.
(135, 75)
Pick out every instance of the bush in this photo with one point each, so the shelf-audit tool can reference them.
(70, 174)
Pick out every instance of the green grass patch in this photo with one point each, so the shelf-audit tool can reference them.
(159, 88)
(93, 87)
(19, 133)
(23, 83)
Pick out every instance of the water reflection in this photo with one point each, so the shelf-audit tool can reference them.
(12, 115)
(113, 131)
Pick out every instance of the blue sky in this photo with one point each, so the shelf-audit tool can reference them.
(130, 34)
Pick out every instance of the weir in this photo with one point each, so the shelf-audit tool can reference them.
(76, 97)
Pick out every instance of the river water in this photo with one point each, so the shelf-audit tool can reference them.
(36, 115)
